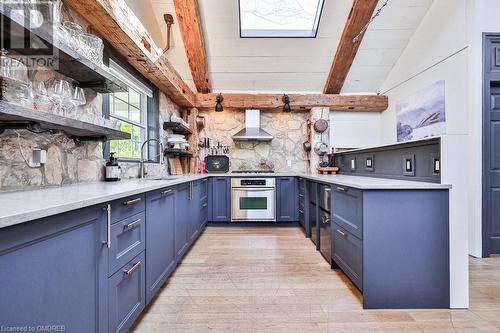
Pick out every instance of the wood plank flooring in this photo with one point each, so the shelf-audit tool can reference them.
(273, 280)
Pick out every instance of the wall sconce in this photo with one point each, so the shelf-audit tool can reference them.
(286, 101)
(218, 103)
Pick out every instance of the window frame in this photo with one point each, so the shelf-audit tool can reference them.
(319, 13)
(150, 125)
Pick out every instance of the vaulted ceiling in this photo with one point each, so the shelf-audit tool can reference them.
(286, 64)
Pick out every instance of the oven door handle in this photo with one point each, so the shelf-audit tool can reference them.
(253, 189)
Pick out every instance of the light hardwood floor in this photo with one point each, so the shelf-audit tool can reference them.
(273, 280)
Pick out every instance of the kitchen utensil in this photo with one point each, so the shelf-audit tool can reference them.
(321, 148)
(200, 121)
(216, 163)
(320, 125)
(307, 146)
(175, 166)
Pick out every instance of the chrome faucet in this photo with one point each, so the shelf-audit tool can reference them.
(142, 166)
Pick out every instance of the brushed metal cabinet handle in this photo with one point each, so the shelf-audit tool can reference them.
(132, 269)
(132, 202)
(107, 209)
(301, 195)
(204, 205)
(166, 192)
(301, 211)
(341, 232)
(132, 225)
(343, 189)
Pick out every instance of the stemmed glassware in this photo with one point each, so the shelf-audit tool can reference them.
(60, 94)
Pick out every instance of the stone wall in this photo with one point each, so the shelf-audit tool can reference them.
(283, 153)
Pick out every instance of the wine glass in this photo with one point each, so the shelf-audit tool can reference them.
(78, 98)
(60, 93)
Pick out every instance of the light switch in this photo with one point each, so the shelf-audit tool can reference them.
(437, 166)
(353, 164)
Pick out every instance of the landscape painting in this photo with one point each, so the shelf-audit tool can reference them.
(422, 114)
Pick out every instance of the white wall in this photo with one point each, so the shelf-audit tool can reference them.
(354, 129)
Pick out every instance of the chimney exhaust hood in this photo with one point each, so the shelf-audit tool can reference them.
(252, 130)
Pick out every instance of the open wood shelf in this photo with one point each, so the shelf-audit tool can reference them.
(84, 72)
(15, 116)
(177, 152)
(177, 127)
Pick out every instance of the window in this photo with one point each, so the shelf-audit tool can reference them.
(137, 114)
(280, 18)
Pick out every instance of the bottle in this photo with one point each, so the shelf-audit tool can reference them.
(113, 170)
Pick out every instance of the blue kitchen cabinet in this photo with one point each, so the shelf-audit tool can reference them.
(287, 199)
(127, 295)
(53, 271)
(220, 200)
(303, 211)
(182, 217)
(194, 211)
(203, 203)
(160, 254)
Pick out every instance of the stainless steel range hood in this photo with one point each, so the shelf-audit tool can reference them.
(252, 130)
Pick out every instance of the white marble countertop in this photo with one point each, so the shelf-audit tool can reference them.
(22, 206)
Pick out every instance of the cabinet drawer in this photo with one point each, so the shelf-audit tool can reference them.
(347, 209)
(126, 207)
(128, 239)
(348, 254)
(126, 294)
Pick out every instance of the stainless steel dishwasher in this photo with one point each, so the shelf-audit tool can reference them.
(324, 222)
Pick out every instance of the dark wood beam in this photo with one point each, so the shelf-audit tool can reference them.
(118, 25)
(352, 103)
(188, 17)
(361, 12)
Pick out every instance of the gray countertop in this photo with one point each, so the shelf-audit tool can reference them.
(22, 206)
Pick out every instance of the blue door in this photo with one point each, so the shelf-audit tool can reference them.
(53, 271)
(220, 200)
(182, 216)
(287, 199)
(160, 255)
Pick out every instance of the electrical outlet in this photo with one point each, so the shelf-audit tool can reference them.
(289, 163)
(38, 157)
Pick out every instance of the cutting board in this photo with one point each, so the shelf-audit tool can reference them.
(175, 165)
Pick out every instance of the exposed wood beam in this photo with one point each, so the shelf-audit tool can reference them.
(361, 12)
(361, 103)
(119, 26)
(188, 16)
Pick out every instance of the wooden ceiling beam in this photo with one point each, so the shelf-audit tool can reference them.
(360, 15)
(118, 25)
(298, 102)
(188, 17)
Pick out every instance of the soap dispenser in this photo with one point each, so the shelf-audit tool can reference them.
(113, 170)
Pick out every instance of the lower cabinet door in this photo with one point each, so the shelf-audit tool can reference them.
(160, 254)
(348, 254)
(127, 294)
(53, 272)
(182, 216)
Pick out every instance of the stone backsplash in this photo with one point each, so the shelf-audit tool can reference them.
(283, 153)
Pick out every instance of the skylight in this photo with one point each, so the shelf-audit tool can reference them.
(279, 18)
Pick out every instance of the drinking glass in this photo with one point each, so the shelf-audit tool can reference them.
(60, 93)
(71, 32)
(91, 47)
(41, 100)
(78, 98)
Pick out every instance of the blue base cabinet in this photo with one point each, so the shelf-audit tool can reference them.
(220, 199)
(127, 295)
(53, 271)
(160, 253)
(182, 217)
(287, 199)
